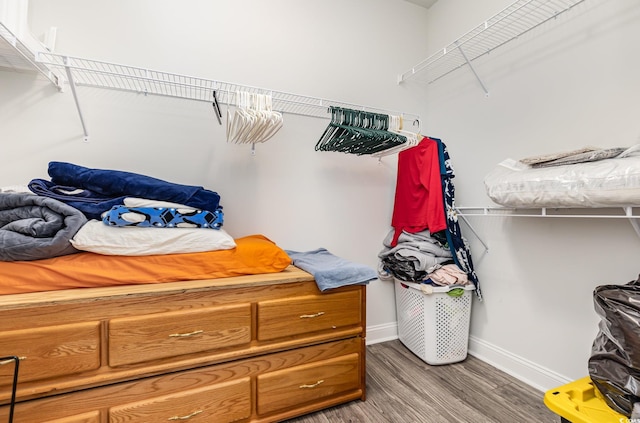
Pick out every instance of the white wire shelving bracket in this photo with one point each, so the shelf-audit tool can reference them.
(98, 74)
(512, 22)
(625, 212)
(16, 56)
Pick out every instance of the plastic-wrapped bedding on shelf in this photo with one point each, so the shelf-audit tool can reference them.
(603, 183)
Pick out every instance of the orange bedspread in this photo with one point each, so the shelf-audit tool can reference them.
(253, 254)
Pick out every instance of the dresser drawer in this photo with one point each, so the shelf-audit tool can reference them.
(50, 351)
(220, 403)
(303, 384)
(308, 314)
(144, 338)
(266, 388)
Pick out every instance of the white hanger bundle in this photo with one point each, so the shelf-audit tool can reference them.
(395, 126)
(253, 120)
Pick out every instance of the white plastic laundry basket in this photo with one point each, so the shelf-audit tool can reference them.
(433, 324)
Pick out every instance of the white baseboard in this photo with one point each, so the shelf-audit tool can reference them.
(382, 333)
(522, 369)
(532, 374)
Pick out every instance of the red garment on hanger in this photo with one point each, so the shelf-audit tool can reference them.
(419, 201)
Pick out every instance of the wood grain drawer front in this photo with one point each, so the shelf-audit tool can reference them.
(93, 417)
(50, 351)
(162, 335)
(306, 314)
(308, 383)
(220, 403)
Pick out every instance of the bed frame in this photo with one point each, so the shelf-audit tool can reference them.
(257, 348)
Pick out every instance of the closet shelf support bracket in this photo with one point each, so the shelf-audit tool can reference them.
(72, 85)
(628, 211)
(472, 229)
(484, 88)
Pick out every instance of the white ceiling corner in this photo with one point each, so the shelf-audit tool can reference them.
(424, 3)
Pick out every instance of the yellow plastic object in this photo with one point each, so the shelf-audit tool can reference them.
(580, 402)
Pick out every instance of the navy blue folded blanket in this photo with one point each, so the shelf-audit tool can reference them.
(94, 191)
(331, 271)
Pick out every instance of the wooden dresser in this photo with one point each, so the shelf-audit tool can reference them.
(257, 348)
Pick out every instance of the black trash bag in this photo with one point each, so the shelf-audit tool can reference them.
(614, 365)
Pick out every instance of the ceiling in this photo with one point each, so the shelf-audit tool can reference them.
(423, 3)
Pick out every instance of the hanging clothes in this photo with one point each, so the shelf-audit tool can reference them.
(419, 203)
(425, 203)
(458, 244)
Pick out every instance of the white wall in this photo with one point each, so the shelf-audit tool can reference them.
(349, 51)
(566, 85)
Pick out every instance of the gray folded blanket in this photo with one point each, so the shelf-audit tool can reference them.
(331, 271)
(34, 227)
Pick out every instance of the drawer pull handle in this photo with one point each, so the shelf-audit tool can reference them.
(311, 316)
(183, 335)
(313, 385)
(2, 363)
(187, 417)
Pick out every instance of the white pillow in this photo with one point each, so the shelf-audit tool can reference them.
(143, 202)
(96, 237)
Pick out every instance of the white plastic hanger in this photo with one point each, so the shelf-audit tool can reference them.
(253, 120)
(395, 126)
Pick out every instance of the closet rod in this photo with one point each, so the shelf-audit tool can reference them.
(99, 74)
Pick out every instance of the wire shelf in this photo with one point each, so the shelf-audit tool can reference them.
(512, 22)
(628, 212)
(620, 212)
(16, 56)
(93, 73)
